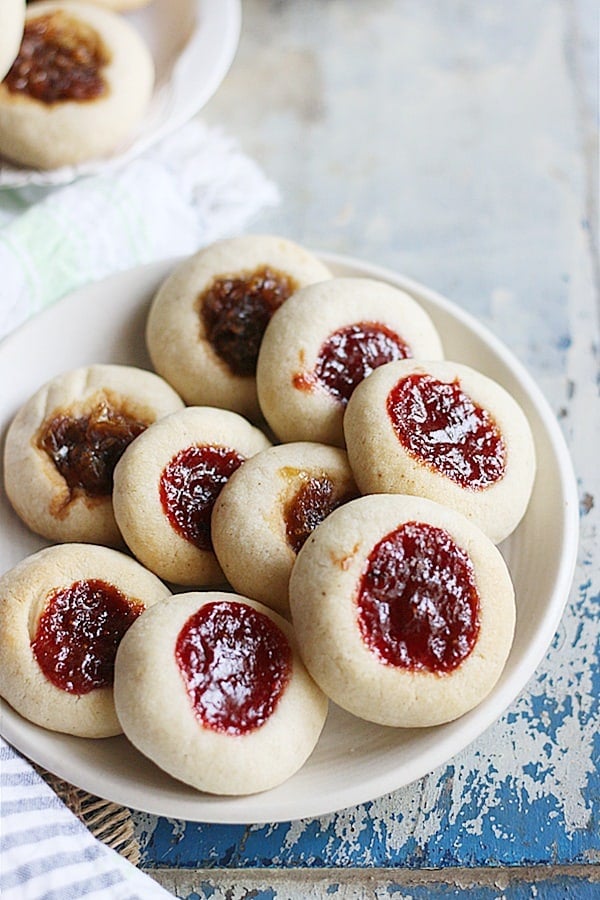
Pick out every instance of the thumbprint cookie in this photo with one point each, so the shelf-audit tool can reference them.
(12, 17)
(443, 431)
(267, 510)
(165, 488)
(212, 689)
(326, 340)
(80, 84)
(63, 444)
(208, 318)
(63, 612)
(403, 609)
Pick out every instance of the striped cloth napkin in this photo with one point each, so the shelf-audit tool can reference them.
(48, 854)
(194, 187)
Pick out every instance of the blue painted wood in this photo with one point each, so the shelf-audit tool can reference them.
(454, 143)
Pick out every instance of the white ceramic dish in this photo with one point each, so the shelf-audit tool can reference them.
(354, 761)
(193, 43)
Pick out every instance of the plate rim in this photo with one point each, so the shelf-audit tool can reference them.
(453, 737)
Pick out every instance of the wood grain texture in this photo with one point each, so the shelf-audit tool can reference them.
(456, 143)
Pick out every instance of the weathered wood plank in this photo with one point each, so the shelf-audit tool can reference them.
(456, 142)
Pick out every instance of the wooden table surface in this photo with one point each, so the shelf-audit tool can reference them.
(454, 141)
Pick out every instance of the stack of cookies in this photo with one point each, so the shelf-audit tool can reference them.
(311, 496)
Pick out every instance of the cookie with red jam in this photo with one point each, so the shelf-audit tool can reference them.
(447, 432)
(79, 85)
(404, 610)
(324, 342)
(166, 485)
(208, 318)
(267, 510)
(63, 444)
(63, 612)
(212, 689)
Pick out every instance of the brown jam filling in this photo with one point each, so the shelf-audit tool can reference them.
(351, 353)
(86, 449)
(438, 423)
(235, 663)
(236, 310)
(418, 604)
(78, 634)
(189, 486)
(60, 58)
(312, 502)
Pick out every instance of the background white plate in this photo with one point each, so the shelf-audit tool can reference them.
(193, 43)
(354, 760)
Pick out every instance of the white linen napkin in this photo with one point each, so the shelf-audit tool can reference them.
(194, 187)
(189, 190)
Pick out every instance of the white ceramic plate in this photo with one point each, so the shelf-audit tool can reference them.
(193, 43)
(354, 760)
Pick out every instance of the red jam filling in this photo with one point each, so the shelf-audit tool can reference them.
(189, 486)
(236, 311)
(438, 423)
(311, 503)
(60, 58)
(418, 605)
(235, 663)
(86, 449)
(78, 634)
(350, 354)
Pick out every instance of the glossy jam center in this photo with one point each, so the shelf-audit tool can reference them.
(418, 605)
(438, 423)
(190, 485)
(60, 58)
(236, 311)
(78, 634)
(235, 663)
(86, 449)
(351, 353)
(312, 502)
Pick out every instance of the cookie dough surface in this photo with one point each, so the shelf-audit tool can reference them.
(184, 460)
(81, 703)
(88, 107)
(267, 509)
(324, 341)
(12, 17)
(325, 599)
(216, 738)
(95, 399)
(451, 434)
(207, 319)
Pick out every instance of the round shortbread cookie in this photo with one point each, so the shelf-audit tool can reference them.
(81, 83)
(166, 486)
(208, 318)
(404, 611)
(63, 612)
(12, 19)
(210, 686)
(444, 431)
(268, 508)
(327, 339)
(63, 444)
